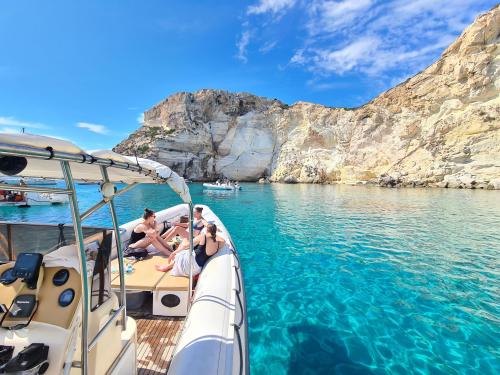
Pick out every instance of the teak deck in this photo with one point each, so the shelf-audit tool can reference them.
(156, 339)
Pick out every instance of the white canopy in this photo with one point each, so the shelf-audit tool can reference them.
(43, 153)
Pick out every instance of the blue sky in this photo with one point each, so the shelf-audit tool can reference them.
(86, 70)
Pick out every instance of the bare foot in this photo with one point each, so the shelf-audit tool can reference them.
(165, 268)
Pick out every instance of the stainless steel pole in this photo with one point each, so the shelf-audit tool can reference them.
(123, 294)
(77, 225)
(190, 231)
(35, 189)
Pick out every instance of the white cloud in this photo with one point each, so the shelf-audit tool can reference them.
(242, 46)
(332, 16)
(354, 55)
(380, 38)
(11, 121)
(267, 47)
(270, 6)
(10, 130)
(94, 128)
(140, 118)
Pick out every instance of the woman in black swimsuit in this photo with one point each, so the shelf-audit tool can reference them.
(145, 234)
(206, 245)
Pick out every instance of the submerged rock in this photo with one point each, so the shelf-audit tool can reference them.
(438, 128)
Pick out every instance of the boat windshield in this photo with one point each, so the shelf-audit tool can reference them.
(16, 238)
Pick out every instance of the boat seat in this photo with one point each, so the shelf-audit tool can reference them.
(144, 277)
(170, 293)
(169, 282)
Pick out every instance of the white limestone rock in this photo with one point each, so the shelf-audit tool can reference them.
(439, 128)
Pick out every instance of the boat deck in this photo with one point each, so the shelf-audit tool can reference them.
(156, 338)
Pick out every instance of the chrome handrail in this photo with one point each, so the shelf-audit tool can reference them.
(35, 189)
(119, 251)
(98, 335)
(68, 178)
(50, 154)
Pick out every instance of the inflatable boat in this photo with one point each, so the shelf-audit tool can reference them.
(70, 303)
(224, 186)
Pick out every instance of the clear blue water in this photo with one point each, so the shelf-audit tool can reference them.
(354, 280)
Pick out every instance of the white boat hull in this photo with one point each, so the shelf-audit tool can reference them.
(220, 187)
(38, 199)
(208, 342)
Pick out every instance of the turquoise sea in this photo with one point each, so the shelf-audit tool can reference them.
(353, 280)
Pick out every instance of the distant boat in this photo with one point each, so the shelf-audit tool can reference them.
(40, 181)
(13, 198)
(88, 183)
(29, 181)
(221, 186)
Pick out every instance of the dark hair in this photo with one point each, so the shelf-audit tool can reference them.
(212, 229)
(199, 209)
(184, 219)
(147, 213)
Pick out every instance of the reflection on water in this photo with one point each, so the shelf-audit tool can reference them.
(352, 280)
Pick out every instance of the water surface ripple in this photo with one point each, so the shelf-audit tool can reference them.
(354, 280)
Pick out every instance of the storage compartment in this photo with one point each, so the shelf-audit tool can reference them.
(170, 303)
(135, 300)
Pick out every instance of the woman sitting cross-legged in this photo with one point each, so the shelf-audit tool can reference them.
(145, 234)
(205, 245)
(181, 228)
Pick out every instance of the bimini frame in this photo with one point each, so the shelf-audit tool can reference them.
(64, 158)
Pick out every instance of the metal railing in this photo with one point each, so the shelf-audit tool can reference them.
(64, 158)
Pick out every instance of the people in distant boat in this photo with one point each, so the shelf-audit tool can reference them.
(205, 246)
(145, 234)
(181, 228)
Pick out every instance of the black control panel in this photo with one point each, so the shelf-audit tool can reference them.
(27, 267)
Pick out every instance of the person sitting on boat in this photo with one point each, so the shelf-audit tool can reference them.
(181, 229)
(145, 234)
(205, 246)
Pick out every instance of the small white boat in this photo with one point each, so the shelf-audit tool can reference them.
(12, 198)
(41, 181)
(28, 181)
(88, 183)
(209, 186)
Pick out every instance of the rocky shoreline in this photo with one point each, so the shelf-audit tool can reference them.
(440, 128)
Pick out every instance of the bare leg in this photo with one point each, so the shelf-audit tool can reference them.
(166, 267)
(168, 232)
(176, 231)
(163, 242)
(159, 246)
(141, 244)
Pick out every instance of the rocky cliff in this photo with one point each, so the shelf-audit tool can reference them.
(439, 128)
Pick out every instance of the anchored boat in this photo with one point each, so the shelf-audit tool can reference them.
(17, 198)
(69, 301)
(223, 186)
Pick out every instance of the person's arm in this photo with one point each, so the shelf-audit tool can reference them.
(150, 232)
(184, 246)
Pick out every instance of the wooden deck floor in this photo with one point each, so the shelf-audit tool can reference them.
(156, 339)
